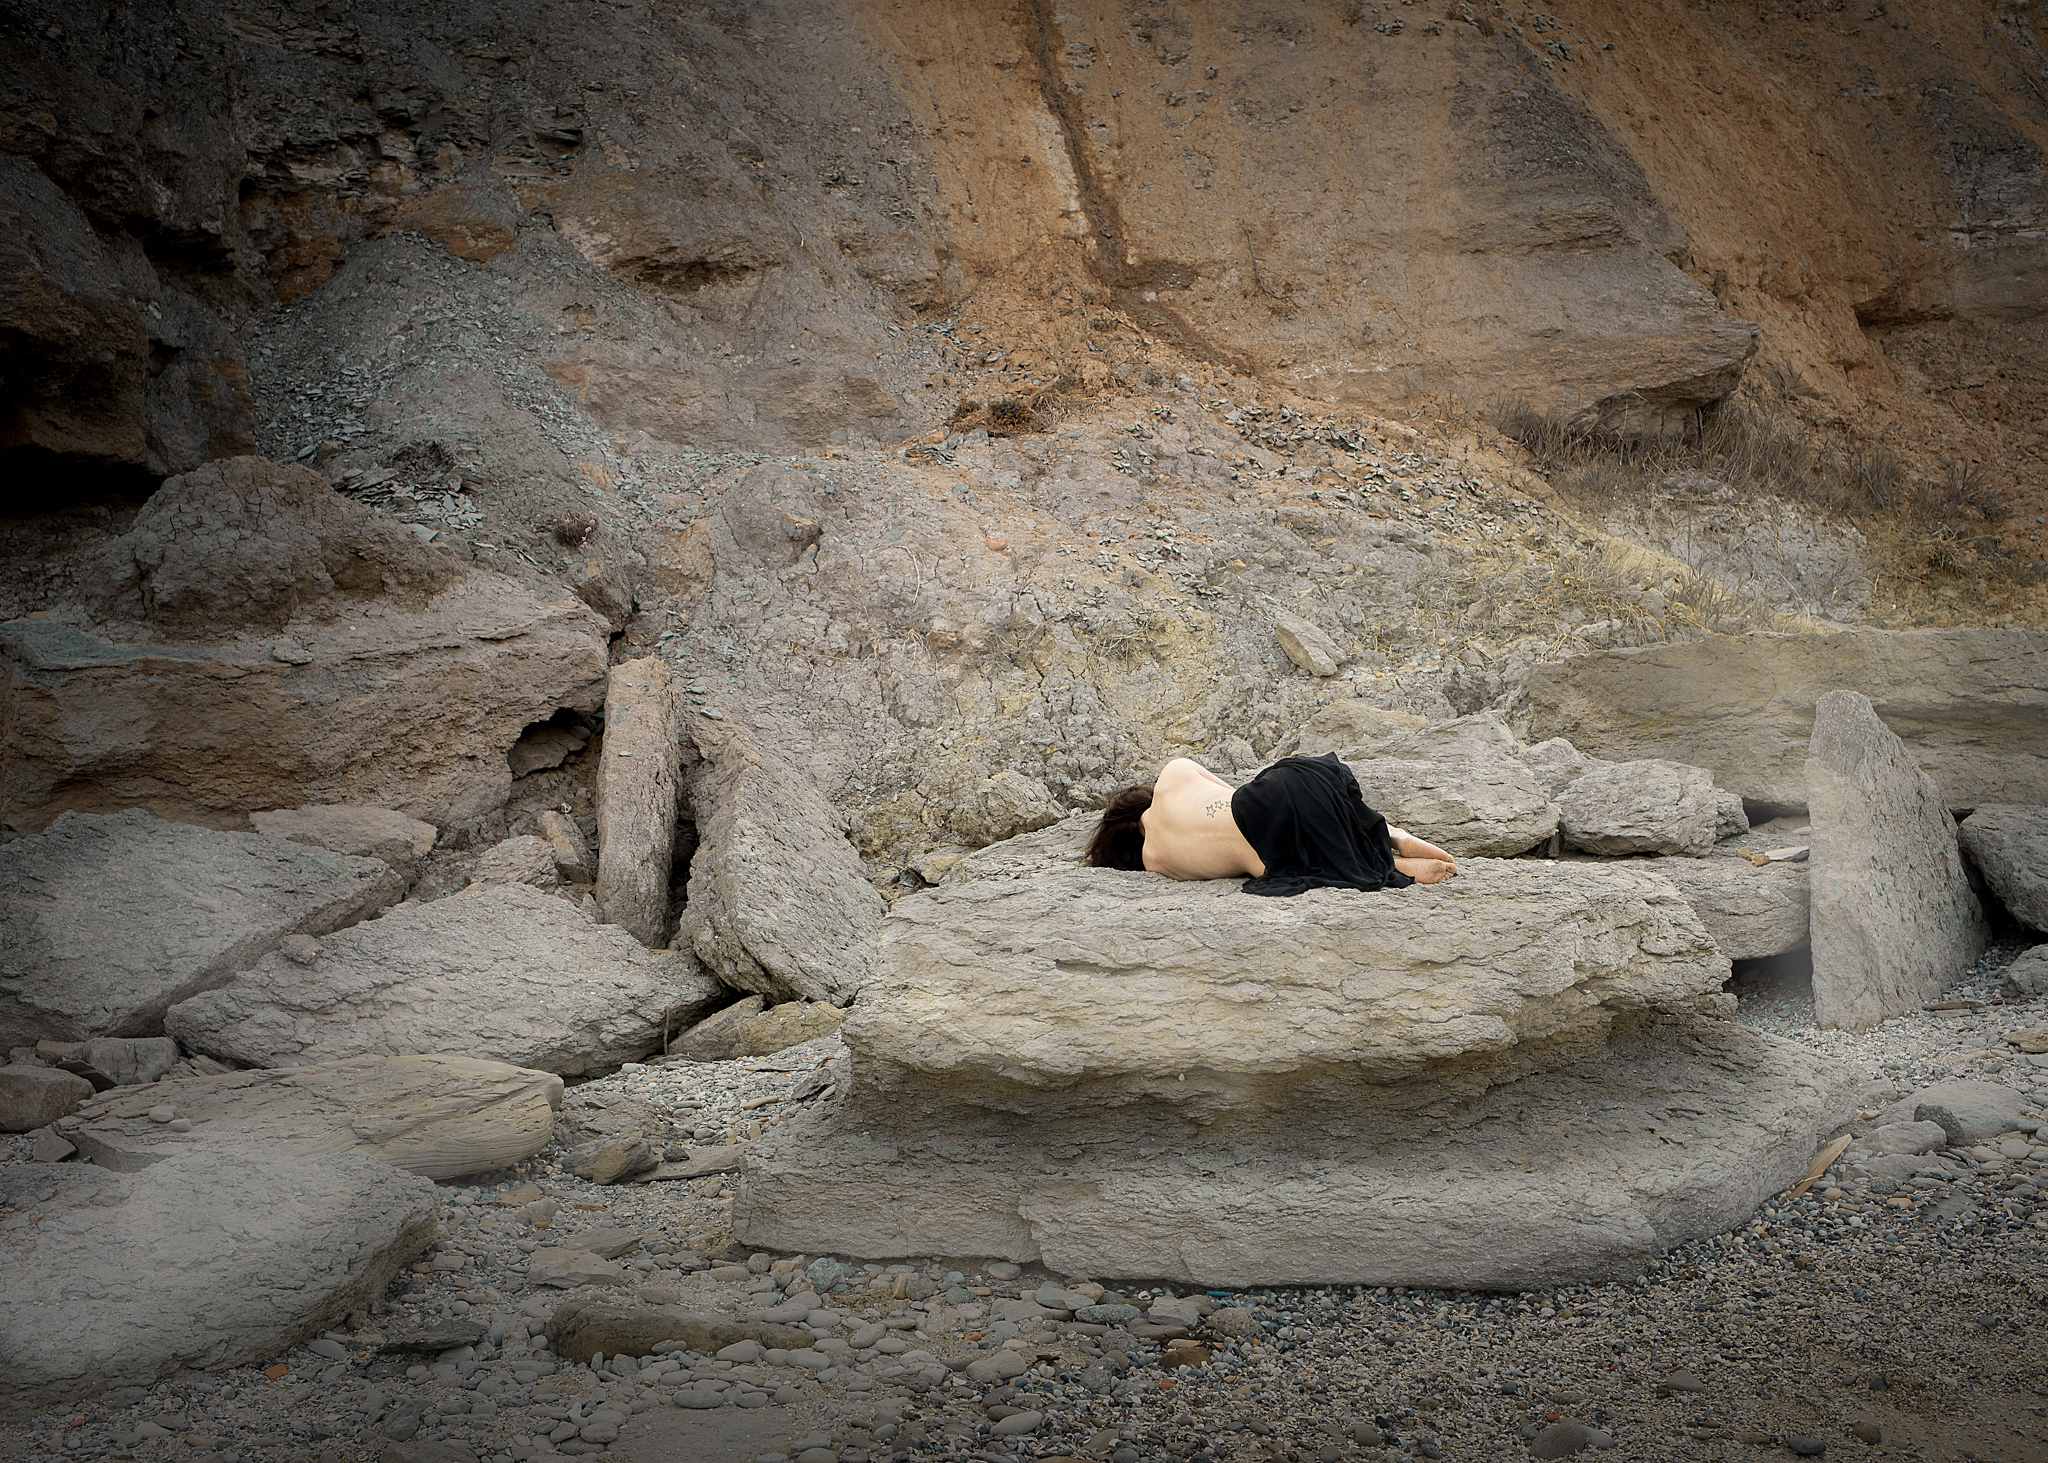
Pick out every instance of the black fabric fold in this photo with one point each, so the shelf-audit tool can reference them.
(1309, 825)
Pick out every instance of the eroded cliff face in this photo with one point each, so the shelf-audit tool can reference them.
(1366, 204)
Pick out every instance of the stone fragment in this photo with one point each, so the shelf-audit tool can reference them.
(107, 921)
(1026, 991)
(523, 860)
(1967, 702)
(1969, 1112)
(1306, 645)
(779, 901)
(579, 1329)
(439, 1115)
(1914, 1137)
(567, 1267)
(1351, 726)
(34, 1096)
(1057, 847)
(49, 1148)
(1894, 919)
(214, 1258)
(549, 744)
(716, 1038)
(1731, 819)
(2027, 976)
(572, 854)
(251, 688)
(522, 976)
(1649, 806)
(610, 1160)
(132, 1060)
(379, 833)
(1751, 912)
(2009, 846)
(639, 790)
(1564, 1439)
(997, 1366)
(1459, 785)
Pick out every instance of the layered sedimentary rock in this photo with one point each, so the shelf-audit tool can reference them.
(1123, 1076)
(1967, 703)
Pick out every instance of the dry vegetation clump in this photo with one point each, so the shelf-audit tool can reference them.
(1008, 415)
(1929, 535)
(573, 529)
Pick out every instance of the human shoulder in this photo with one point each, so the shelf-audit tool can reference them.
(1183, 769)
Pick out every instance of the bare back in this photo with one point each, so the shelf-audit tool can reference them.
(1189, 833)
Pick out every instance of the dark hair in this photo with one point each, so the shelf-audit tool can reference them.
(1119, 841)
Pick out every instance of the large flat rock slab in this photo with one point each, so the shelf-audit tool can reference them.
(1894, 917)
(1969, 705)
(107, 921)
(1057, 992)
(440, 1115)
(1461, 785)
(1676, 1129)
(215, 1258)
(508, 972)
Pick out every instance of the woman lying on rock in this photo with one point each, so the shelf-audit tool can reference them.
(1301, 824)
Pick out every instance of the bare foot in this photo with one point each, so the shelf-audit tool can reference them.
(1426, 870)
(1408, 845)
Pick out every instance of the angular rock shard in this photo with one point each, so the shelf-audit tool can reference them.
(639, 789)
(440, 1115)
(779, 901)
(106, 921)
(1894, 918)
(215, 1258)
(518, 975)
(1751, 912)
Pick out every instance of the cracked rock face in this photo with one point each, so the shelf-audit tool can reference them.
(2010, 846)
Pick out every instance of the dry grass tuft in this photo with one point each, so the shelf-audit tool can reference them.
(1008, 415)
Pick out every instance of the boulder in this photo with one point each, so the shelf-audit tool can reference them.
(219, 1257)
(1535, 1182)
(1648, 806)
(379, 833)
(610, 1160)
(523, 860)
(579, 1330)
(514, 974)
(1460, 785)
(779, 900)
(1969, 1112)
(1350, 725)
(572, 854)
(1731, 819)
(130, 1060)
(1062, 992)
(106, 921)
(34, 1096)
(1751, 912)
(439, 1115)
(639, 790)
(263, 642)
(717, 1037)
(2027, 976)
(1894, 919)
(1967, 703)
(1557, 764)
(1003, 806)
(1914, 1137)
(2009, 846)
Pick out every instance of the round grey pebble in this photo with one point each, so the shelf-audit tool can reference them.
(1805, 1447)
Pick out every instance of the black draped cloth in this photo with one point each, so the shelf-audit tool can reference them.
(1309, 825)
